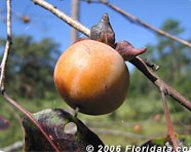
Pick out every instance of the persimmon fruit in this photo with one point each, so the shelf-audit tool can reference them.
(137, 128)
(92, 76)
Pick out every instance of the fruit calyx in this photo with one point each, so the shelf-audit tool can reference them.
(103, 31)
(127, 51)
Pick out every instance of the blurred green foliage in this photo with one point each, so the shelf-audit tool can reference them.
(30, 67)
(29, 80)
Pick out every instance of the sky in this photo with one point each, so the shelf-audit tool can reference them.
(43, 24)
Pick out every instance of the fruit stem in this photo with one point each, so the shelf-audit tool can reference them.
(76, 112)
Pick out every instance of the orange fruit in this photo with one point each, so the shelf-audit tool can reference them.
(137, 128)
(92, 76)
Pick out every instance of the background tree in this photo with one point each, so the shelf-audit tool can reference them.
(75, 14)
(30, 67)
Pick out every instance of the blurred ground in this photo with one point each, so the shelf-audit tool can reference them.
(129, 125)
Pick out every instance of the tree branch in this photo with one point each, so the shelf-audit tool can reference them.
(141, 65)
(7, 46)
(137, 21)
(77, 25)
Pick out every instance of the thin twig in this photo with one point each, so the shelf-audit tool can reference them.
(171, 132)
(31, 118)
(136, 20)
(63, 16)
(7, 46)
(142, 66)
